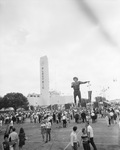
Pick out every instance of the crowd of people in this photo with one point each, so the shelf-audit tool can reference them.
(46, 118)
(87, 137)
(12, 138)
(7, 117)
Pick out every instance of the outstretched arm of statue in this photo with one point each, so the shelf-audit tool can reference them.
(84, 82)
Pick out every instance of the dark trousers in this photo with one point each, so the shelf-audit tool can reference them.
(93, 144)
(64, 123)
(59, 119)
(77, 93)
(86, 146)
(76, 120)
(48, 134)
(75, 146)
(83, 119)
(109, 121)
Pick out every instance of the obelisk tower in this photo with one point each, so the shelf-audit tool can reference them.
(44, 80)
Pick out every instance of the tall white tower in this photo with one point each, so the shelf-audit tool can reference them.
(44, 80)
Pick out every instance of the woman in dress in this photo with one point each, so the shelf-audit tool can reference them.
(22, 138)
(85, 140)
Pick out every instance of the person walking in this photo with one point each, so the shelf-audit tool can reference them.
(11, 123)
(90, 134)
(107, 120)
(22, 138)
(43, 129)
(64, 121)
(83, 116)
(13, 138)
(5, 144)
(76, 116)
(73, 139)
(48, 131)
(85, 139)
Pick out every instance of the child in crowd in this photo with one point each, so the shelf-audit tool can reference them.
(5, 144)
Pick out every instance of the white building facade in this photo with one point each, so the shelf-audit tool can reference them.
(36, 99)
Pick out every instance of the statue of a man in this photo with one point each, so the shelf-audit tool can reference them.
(76, 86)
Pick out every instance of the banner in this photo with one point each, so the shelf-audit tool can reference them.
(96, 104)
(83, 104)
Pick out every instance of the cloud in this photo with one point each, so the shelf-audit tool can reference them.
(74, 42)
(90, 14)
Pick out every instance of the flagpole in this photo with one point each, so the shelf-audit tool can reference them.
(90, 95)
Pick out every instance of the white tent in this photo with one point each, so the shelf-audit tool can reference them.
(9, 109)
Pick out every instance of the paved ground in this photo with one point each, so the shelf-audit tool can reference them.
(106, 138)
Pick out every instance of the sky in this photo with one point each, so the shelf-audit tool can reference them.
(80, 38)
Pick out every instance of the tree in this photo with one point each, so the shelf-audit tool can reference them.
(1, 102)
(15, 100)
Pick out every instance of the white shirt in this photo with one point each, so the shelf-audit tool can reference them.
(92, 114)
(14, 136)
(90, 130)
(1, 123)
(20, 118)
(119, 124)
(11, 123)
(73, 138)
(111, 114)
(43, 125)
(50, 118)
(64, 118)
(48, 125)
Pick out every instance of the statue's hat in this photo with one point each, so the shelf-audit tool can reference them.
(75, 78)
